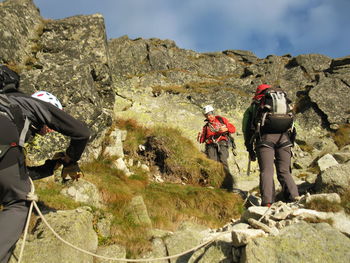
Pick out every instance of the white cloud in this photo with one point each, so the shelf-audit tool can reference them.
(262, 26)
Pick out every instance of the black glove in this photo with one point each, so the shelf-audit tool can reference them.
(72, 170)
(252, 155)
(45, 170)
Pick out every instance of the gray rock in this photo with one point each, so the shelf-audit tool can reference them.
(342, 157)
(255, 212)
(114, 144)
(103, 226)
(186, 238)
(218, 251)
(84, 192)
(326, 161)
(138, 211)
(241, 237)
(20, 26)
(300, 242)
(120, 165)
(313, 63)
(74, 226)
(113, 251)
(335, 179)
(159, 250)
(259, 225)
(332, 104)
(341, 221)
(332, 197)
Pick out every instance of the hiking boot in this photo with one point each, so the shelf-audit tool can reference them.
(242, 193)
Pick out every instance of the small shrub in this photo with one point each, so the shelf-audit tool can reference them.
(342, 136)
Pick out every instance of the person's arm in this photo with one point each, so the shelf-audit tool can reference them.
(247, 124)
(67, 125)
(42, 171)
(203, 135)
(230, 127)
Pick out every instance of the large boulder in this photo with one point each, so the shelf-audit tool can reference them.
(74, 226)
(334, 179)
(300, 242)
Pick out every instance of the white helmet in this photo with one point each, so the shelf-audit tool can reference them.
(47, 97)
(208, 109)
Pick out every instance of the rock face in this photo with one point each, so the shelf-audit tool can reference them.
(67, 57)
(25, 22)
(155, 82)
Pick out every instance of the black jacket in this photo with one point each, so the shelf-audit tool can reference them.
(42, 113)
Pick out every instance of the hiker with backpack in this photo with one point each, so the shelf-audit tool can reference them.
(21, 117)
(216, 136)
(269, 134)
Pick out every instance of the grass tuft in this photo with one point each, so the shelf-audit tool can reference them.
(324, 206)
(345, 201)
(342, 136)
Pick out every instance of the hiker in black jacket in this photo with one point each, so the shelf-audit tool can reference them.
(270, 141)
(42, 116)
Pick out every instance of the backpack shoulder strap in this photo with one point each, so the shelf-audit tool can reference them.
(221, 120)
(15, 113)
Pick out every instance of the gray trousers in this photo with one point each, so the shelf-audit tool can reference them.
(220, 154)
(14, 186)
(271, 152)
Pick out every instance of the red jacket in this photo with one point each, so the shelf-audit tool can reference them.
(210, 131)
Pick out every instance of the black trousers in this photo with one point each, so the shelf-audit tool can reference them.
(220, 153)
(14, 187)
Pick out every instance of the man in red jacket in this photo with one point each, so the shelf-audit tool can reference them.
(215, 136)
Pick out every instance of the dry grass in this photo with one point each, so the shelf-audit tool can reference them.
(345, 201)
(168, 205)
(342, 136)
(324, 206)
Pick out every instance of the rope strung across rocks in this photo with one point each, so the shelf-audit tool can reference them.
(32, 197)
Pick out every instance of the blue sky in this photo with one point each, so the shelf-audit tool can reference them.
(265, 27)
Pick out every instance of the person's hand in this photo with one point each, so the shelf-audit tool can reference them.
(252, 155)
(62, 157)
(223, 129)
(72, 170)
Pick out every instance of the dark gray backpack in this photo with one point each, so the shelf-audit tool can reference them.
(9, 80)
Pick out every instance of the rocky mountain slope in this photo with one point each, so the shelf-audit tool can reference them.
(155, 82)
